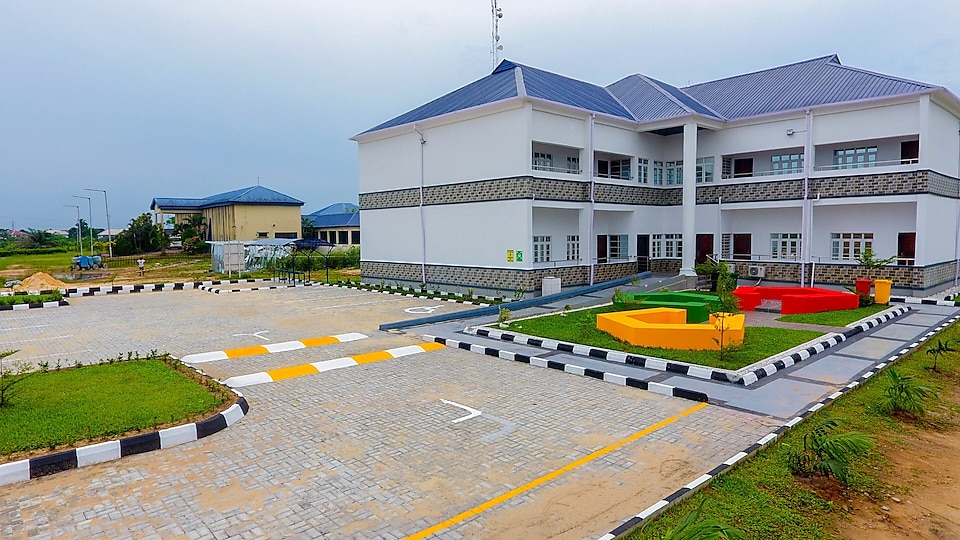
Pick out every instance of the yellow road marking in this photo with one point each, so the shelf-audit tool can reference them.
(550, 476)
(432, 346)
(291, 372)
(372, 357)
(314, 342)
(245, 351)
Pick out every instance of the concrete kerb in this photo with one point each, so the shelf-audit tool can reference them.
(35, 305)
(26, 469)
(407, 295)
(745, 376)
(657, 388)
(149, 287)
(688, 490)
(924, 301)
(515, 305)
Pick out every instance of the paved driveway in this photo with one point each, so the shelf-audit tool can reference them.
(388, 449)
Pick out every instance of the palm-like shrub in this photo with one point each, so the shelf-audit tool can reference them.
(828, 453)
(940, 349)
(904, 393)
(692, 528)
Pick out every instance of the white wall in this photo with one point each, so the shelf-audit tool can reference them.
(887, 149)
(770, 135)
(864, 124)
(760, 223)
(478, 234)
(558, 223)
(494, 145)
(943, 143)
(391, 235)
(553, 128)
(884, 220)
(937, 224)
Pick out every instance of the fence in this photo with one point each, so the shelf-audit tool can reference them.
(129, 261)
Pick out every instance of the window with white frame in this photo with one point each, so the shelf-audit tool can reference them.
(666, 246)
(657, 173)
(674, 173)
(573, 247)
(705, 170)
(613, 168)
(542, 161)
(848, 246)
(617, 247)
(573, 165)
(541, 249)
(787, 163)
(643, 170)
(855, 158)
(784, 245)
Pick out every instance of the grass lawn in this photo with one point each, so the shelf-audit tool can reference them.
(581, 327)
(48, 410)
(47, 262)
(762, 497)
(840, 317)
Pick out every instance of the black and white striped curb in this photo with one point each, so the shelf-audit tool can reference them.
(662, 505)
(409, 295)
(925, 301)
(683, 368)
(622, 380)
(211, 289)
(149, 287)
(35, 305)
(26, 469)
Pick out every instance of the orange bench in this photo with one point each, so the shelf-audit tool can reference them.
(666, 328)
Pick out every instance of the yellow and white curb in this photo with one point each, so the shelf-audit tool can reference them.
(201, 358)
(275, 375)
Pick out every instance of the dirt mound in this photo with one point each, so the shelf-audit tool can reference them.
(40, 281)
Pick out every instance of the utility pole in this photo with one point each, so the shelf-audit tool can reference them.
(107, 210)
(90, 224)
(495, 47)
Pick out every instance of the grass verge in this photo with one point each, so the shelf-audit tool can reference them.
(581, 327)
(841, 317)
(761, 496)
(61, 408)
(55, 296)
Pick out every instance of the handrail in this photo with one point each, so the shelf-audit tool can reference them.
(550, 168)
(866, 164)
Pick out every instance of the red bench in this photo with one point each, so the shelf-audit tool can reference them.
(796, 299)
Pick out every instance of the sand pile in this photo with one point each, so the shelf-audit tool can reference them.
(40, 281)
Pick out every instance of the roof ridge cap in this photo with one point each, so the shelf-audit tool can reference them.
(656, 84)
(518, 79)
(615, 98)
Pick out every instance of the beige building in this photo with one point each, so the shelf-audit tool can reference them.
(244, 214)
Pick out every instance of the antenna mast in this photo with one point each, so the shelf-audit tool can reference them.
(495, 47)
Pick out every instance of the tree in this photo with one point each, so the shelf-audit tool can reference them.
(39, 239)
(306, 226)
(869, 260)
(192, 232)
(727, 306)
(139, 236)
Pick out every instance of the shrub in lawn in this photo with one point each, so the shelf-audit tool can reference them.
(504, 316)
(828, 453)
(691, 527)
(940, 349)
(904, 393)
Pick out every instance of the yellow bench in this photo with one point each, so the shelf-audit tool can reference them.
(666, 328)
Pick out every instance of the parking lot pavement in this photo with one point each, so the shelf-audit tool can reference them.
(379, 450)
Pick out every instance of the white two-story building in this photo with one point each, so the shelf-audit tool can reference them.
(787, 172)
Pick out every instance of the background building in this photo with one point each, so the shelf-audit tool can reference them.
(243, 214)
(338, 224)
(788, 172)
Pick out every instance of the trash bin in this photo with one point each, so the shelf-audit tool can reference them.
(550, 285)
(863, 286)
(882, 291)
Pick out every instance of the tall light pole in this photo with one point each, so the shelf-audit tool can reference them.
(79, 242)
(90, 224)
(107, 210)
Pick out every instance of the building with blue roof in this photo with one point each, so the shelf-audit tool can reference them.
(338, 224)
(243, 214)
(787, 173)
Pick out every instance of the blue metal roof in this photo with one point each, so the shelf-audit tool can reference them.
(559, 89)
(350, 219)
(336, 208)
(494, 87)
(257, 195)
(819, 81)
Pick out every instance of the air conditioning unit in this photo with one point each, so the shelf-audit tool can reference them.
(756, 271)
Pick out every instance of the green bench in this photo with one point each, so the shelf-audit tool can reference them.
(697, 306)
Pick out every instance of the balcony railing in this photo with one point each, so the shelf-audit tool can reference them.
(778, 172)
(867, 164)
(614, 176)
(550, 168)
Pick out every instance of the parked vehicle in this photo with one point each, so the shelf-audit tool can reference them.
(84, 262)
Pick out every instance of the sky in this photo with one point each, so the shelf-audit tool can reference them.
(188, 98)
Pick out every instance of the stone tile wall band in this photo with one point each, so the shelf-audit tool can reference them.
(527, 187)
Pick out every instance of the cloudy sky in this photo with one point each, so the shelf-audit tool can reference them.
(191, 98)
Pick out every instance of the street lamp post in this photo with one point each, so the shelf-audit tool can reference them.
(79, 242)
(90, 224)
(107, 211)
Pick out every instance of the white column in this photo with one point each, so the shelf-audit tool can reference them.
(689, 198)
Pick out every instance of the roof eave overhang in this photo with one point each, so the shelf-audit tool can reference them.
(831, 107)
(679, 121)
(502, 104)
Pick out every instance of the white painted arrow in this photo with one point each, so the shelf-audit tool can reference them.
(473, 412)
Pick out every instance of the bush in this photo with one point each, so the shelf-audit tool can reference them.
(904, 393)
(827, 453)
